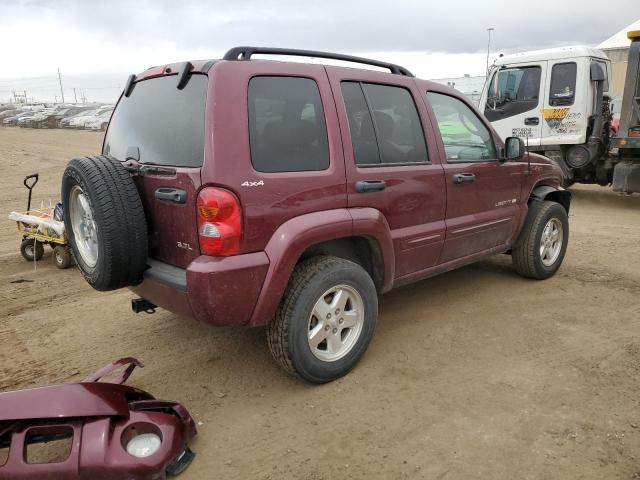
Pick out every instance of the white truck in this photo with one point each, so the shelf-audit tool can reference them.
(558, 100)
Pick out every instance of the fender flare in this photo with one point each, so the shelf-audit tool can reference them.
(542, 192)
(294, 236)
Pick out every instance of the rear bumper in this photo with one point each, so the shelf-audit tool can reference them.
(216, 290)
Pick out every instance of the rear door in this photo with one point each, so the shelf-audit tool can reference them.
(483, 193)
(162, 128)
(513, 101)
(389, 150)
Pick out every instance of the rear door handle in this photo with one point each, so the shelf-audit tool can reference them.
(174, 195)
(459, 178)
(532, 121)
(364, 186)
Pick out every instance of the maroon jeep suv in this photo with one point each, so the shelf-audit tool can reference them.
(257, 192)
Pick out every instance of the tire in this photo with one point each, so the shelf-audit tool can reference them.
(527, 255)
(30, 248)
(314, 280)
(62, 257)
(110, 242)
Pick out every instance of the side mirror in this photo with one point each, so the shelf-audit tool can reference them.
(514, 148)
(596, 72)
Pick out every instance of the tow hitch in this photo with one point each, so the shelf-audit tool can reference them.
(142, 305)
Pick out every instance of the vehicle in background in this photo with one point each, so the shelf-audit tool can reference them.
(34, 120)
(79, 121)
(52, 119)
(100, 122)
(559, 100)
(16, 118)
(7, 108)
(66, 121)
(10, 113)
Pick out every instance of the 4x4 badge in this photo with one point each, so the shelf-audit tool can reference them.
(247, 183)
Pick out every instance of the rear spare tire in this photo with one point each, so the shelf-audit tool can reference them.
(104, 222)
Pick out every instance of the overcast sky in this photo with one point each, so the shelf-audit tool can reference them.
(96, 43)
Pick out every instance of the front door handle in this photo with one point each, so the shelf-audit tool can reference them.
(532, 121)
(174, 195)
(459, 178)
(364, 186)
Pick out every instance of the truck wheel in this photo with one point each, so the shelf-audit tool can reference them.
(104, 222)
(325, 321)
(542, 244)
(62, 257)
(31, 250)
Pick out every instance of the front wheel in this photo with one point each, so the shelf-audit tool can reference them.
(325, 321)
(542, 244)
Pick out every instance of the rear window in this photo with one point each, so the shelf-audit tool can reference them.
(286, 125)
(164, 123)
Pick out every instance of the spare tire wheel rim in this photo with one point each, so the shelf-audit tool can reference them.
(551, 242)
(83, 226)
(335, 323)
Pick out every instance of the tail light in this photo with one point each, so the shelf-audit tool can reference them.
(219, 222)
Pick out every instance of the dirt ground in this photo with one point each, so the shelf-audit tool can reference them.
(477, 373)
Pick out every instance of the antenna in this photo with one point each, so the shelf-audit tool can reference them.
(528, 156)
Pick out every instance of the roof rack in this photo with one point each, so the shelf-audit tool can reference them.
(245, 53)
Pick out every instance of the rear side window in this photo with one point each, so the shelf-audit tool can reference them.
(165, 124)
(287, 128)
(384, 124)
(563, 84)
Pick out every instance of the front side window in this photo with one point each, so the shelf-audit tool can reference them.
(287, 128)
(563, 84)
(512, 91)
(465, 137)
(384, 124)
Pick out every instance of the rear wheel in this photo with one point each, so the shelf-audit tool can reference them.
(31, 249)
(105, 222)
(325, 321)
(540, 249)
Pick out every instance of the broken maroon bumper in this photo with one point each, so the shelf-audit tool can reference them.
(92, 430)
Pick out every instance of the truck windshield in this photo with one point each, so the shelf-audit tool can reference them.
(165, 124)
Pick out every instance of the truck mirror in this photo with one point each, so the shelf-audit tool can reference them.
(514, 148)
(597, 73)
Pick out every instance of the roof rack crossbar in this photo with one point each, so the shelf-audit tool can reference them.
(245, 53)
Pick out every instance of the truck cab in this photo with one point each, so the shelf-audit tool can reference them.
(549, 98)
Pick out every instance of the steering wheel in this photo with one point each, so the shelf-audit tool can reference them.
(468, 125)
